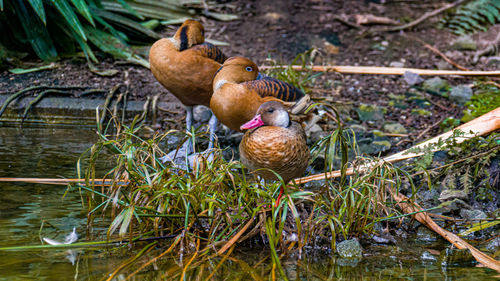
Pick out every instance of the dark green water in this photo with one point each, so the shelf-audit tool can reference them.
(52, 153)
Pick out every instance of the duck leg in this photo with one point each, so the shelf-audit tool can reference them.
(189, 124)
(212, 128)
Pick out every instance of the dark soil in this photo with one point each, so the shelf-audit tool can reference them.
(283, 29)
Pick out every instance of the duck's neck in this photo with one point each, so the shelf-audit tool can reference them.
(180, 39)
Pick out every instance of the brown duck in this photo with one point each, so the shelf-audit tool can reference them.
(239, 90)
(185, 65)
(274, 142)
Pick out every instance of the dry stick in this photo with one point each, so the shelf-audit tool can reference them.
(435, 50)
(235, 237)
(424, 17)
(384, 70)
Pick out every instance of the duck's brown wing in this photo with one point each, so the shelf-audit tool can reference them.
(271, 87)
(210, 51)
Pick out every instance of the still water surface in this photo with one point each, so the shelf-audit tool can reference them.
(53, 152)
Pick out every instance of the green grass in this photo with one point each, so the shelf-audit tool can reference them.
(217, 205)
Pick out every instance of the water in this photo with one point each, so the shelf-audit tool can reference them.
(53, 152)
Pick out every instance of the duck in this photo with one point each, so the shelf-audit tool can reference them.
(185, 65)
(273, 142)
(239, 90)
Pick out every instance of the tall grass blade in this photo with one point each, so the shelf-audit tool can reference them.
(38, 7)
(65, 9)
(83, 9)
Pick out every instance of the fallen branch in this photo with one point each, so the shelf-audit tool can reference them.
(384, 70)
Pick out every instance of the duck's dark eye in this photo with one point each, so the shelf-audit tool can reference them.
(249, 68)
(270, 110)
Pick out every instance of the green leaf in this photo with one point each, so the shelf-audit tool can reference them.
(83, 9)
(38, 7)
(36, 32)
(113, 46)
(68, 14)
(117, 19)
(130, 9)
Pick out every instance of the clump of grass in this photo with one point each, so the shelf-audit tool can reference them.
(215, 205)
(303, 80)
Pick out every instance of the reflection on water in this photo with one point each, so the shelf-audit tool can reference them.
(51, 152)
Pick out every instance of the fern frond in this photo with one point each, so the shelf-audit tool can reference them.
(474, 16)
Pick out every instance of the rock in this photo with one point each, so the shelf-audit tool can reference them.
(201, 114)
(443, 65)
(350, 249)
(449, 194)
(493, 245)
(493, 61)
(464, 43)
(358, 129)
(396, 64)
(368, 112)
(427, 257)
(421, 112)
(316, 136)
(452, 206)
(426, 235)
(313, 130)
(460, 94)
(370, 146)
(394, 128)
(435, 85)
(412, 78)
(472, 214)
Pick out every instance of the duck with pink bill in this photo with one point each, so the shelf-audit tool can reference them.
(274, 142)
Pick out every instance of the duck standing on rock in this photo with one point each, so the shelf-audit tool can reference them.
(185, 65)
(274, 142)
(239, 90)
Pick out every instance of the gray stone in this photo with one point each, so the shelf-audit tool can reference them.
(358, 129)
(493, 61)
(472, 214)
(368, 112)
(435, 85)
(350, 249)
(449, 194)
(452, 206)
(316, 136)
(493, 245)
(460, 94)
(201, 113)
(313, 129)
(443, 65)
(464, 43)
(427, 257)
(394, 128)
(396, 64)
(412, 78)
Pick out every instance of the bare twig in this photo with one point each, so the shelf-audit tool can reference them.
(435, 50)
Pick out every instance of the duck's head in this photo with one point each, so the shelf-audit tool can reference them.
(271, 113)
(189, 34)
(237, 70)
